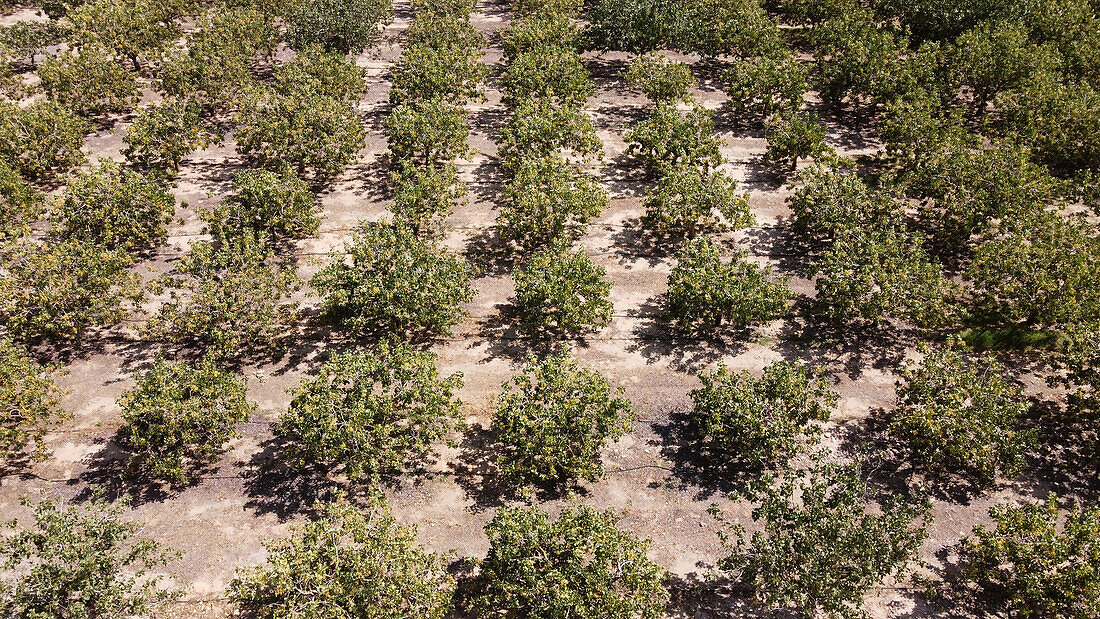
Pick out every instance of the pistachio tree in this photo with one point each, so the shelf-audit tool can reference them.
(660, 79)
(41, 140)
(562, 290)
(29, 402)
(89, 82)
(688, 199)
(670, 138)
(272, 205)
(547, 201)
(340, 26)
(164, 133)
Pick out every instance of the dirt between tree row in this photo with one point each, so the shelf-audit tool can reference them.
(219, 522)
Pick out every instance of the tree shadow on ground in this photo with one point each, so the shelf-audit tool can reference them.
(657, 340)
(275, 487)
(107, 472)
(710, 596)
(847, 347)
(1066, 456)
(489, 253)
(695, 467)
(633, 241)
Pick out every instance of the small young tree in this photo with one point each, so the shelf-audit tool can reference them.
(299, 132)
(163, 134)
(231, 300)
(539, 129)
(431, 71)
(688, 199)
(115, 208)
(548, 201)
(425, 195)
(1031, 567)
(662, 80)
(820, 549)
(20, 204)
(81, 561)
(135, 30)
(274, 206)
(668, 139)
(427, 132)
(315, 72)
(580, 565)
(340, 26)
(792, 136)
(831, 204)
(57, 290)
(537, 30)
(960, 416)
(41, 140)
(1079, 368)
(89, 82)
(394, 282)
(26, 39)
(761, 423)
(369, 415)
(704, 291)
(766, 85)
(29, 402)
(563, 290)
(550, 73)
(349, 562)
(179, 417)
(553, 419)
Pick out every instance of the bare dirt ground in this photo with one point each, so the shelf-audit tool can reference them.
(219, 522)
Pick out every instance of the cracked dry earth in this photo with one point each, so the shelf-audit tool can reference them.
(219, 522)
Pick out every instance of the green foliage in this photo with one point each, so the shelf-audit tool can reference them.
(581, 565)
(996, 57)
(340, 26)
(704, 291)
(115, 208)
(231, 300)
(551, 73)
(57, 290)
(41, 140)
(274, 206)
(137, 30)
(425, 195)
(444, 24)
(1079, 369)
(394, 282)
(539, 129)
(215, 69)
(315, 72)
(1059, 119)
(766, 85)
(1031, 567)
(761, 422)
(427, 132)
(179, 417)
(553, 419)
(349, 562)
(660, 79)
(548, 201)
(862, 62)
(820, 549)
(710, 27)
(366, 415)
(299, 131)
(29, 403)
(669, 138)
(563, 290)
(832, 203)
(164, 133)
(688, 199)
(1043, 271)
(429, 71)
(539, 30)
(792, 136)
(89, 82)
(81, 561)
(961, 416)
(20, 204)
(26, 39)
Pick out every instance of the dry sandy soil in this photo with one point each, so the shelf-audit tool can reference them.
(219, 522)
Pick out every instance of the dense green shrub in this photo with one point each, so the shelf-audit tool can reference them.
(164, 133)
(660, 79)
(57, 290)
(1059, 119)
(709, 27)
(349, 562)
(427, 71)
(553, 419)
(425, 195)
(41, 140)
(368, 415)
(688, 199)
(669, 138)
(26, 39)
(179, 417)
(394, 282)
(831, 204)
(136, 30)
(315, 72)
(114, 207)
(996, 57)
(961, 416)
(444, 24)
(274, 206)
(300, 131)
(539, 30)
(89, 82)
(1079, 368)
(705, 291)
(760, 422)
(427, 132)
(548, 201)
(820, 548)
(863, 62)
(792, 136)
(562, 290)
(554, 74)
(539, 129)
(80, 561)
(1031, 566)
(29, 403)
(20, 204)
(765, 85)
(231, 300)
(340, 26)
(580, 565)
